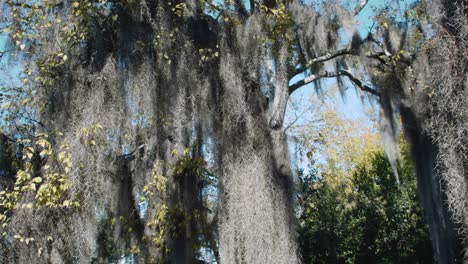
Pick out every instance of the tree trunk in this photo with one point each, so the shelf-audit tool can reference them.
(445, 243)
(256, 221)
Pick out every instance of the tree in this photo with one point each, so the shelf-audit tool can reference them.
(122, 95)
(379, 222)
(409, 86)
(351, 208)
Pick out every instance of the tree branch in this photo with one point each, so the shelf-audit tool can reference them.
(342, 52)
(3, 52)
(326, 74)
(311, 78)
(361, 5)
(338, 53)
(252, 6)
(131, 155)
(7, 137)
(215, 7)
(298, 117)
(330, 56)
(380, 44)
(359, 83)
(323, 58)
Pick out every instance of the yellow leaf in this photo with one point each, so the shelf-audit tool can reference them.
(42, 142)
(44, 152)
(37, 180)
(61, 155)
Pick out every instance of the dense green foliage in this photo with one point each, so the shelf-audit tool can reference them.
(378, 222)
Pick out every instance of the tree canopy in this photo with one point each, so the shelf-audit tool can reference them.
(154, 130)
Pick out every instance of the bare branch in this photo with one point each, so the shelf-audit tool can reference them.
(323, 58)
(311, 78)
(330, 56)
(215, 7)
(298, 117)
(326, 74)
(4, 52)
(345, 51)
(361, 5)
(131, 155)
(359, 83)
(376, 56)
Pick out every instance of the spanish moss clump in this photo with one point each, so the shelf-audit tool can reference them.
(449, 112)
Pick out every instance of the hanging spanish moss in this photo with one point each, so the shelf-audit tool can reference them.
(449, 106)
(144, 107)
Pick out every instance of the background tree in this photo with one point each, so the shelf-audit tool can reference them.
(356, 212)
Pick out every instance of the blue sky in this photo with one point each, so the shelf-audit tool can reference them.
(352, 105)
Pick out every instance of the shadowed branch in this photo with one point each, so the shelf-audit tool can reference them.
(327, 74)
